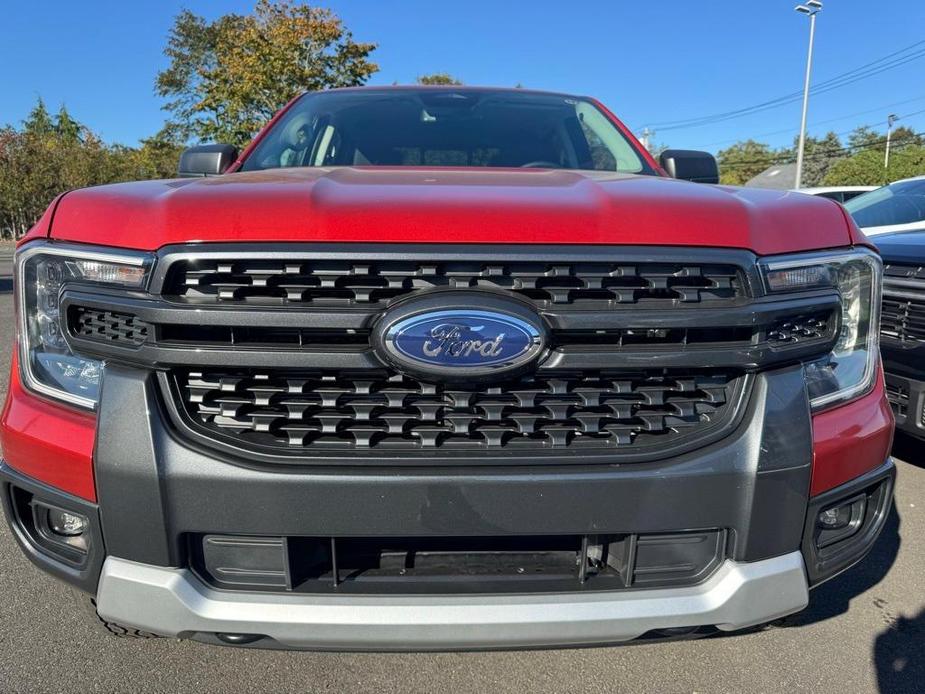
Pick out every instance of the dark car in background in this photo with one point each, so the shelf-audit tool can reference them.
(840, 194)
(898, 206)
(902, 327)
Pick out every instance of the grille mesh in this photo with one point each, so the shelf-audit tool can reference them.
(369, 282)
(801, 329)
(383, 410)
(902, 319)
(898, 395)
(108, 326)
(903, 307)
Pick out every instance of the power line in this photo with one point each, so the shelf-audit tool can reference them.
(818, 122)
(887, 62)
(830, 83)
(815, 91)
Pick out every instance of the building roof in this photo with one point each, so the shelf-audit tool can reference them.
(778, 177)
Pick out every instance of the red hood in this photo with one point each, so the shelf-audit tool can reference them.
(447, 206)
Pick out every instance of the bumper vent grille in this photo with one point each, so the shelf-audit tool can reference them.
(345, 282)
(385, 410)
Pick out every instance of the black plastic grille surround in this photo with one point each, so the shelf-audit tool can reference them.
(384, 409)
(348, 282)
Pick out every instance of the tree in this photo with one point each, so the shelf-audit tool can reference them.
(66, 126)
(904, 137)
(437, 78)
(818, 155)
(49, 156)
(863, 137)
(743, 161)
(866, 137)
(227, 77)
(38, 122)
(866, 167)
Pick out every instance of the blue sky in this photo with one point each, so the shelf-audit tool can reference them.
(649, 61)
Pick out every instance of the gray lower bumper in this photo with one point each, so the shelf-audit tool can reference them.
(173, 602)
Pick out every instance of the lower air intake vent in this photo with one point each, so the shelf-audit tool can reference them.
(396, 565)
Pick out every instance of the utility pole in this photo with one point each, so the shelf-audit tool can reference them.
(810, 9)
(644, 138)
(890, 119)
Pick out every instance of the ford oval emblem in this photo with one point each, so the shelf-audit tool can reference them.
(459, 342)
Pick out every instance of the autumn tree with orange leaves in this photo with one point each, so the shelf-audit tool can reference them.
(228, 77)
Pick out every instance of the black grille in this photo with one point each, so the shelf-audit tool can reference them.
(903, 307)
(108, 326)
(898, 395)
(801, 329)
(385, 410)
(127, 330)
(910, 272)
(349, 282)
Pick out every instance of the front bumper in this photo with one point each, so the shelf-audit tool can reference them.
(156, 491)
(174, 602)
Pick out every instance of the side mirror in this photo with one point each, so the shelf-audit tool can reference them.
(690, 165)
(206, 160)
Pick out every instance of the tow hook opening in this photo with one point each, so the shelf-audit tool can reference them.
(238, 639)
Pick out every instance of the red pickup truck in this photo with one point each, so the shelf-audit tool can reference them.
(435, 368)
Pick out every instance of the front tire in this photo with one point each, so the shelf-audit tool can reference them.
(87, 605)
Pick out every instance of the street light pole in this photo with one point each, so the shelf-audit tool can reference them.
(890, 119)
(811, 9)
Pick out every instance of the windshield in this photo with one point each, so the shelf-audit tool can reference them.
(897, 203)
(445, 127)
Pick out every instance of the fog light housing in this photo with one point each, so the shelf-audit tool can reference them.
(61, 531)
(66, 523)
(841, 521)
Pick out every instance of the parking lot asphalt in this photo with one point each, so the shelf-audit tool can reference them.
(863, 632)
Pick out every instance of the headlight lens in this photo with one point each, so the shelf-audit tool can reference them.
(48, 365)
(848, 371)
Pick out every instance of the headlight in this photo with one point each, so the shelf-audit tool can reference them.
(47, 364)
(849, 370)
